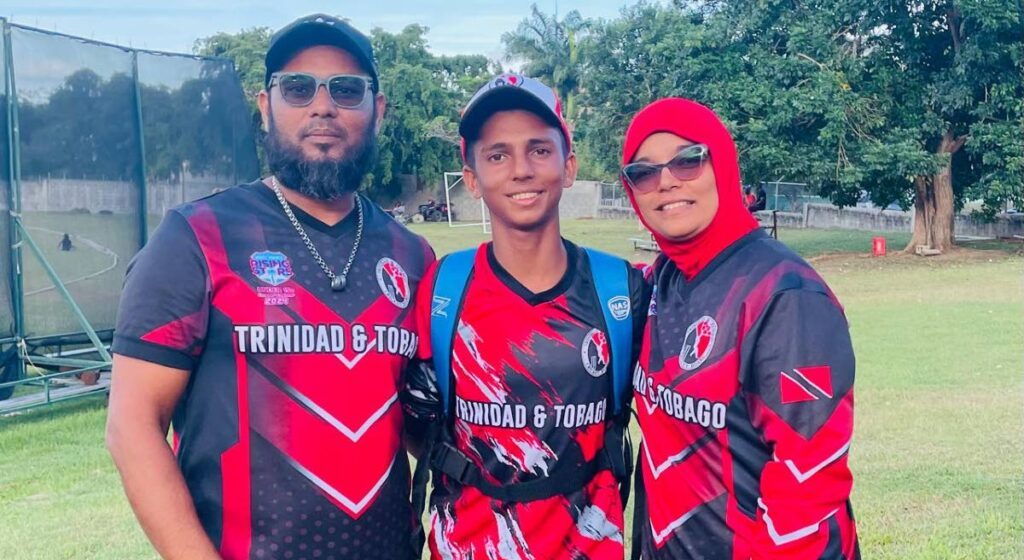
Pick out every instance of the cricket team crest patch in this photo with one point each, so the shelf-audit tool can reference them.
(394, 282)
(698, 343)
(595, 353)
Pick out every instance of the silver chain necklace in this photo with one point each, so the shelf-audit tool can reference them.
(338, 281)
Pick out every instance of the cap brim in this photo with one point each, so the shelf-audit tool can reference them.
(503, 99)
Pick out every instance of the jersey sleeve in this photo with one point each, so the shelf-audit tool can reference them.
(424, 298)
(640, 289)
(421, 400)
(801, 401)
(164, 308)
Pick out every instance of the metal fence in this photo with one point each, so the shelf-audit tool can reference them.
(97, 142)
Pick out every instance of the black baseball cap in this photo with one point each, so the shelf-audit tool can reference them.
(506, 92)
(319, 29)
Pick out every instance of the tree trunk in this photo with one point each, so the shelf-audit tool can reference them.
(942, 193)
(933, 201)
(923, 209)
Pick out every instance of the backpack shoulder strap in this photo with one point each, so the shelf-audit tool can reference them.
(450, 283)
(611, 280)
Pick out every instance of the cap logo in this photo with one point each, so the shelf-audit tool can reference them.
(506, 80)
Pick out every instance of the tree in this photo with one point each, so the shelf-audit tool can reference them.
(958, 70)
(425, 94)
(84, 129)
(548, 48)
(202, 120)
(852, 97)
(626, 63)
(246, 49)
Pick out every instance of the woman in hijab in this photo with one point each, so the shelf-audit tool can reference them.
(745, 383)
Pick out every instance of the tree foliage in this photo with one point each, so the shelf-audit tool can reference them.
(86, 127)
(246, 49)
(909, 101)
(425, 94)
(547, 47)
(852, 97)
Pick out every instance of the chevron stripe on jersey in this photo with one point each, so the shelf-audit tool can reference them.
(744, 397)
(290, 432)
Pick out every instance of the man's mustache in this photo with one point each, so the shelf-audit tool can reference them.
(323, 128)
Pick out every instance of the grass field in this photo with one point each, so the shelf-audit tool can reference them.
(938, 453)
(93, 271)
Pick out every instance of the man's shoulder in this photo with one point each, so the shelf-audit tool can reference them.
(403, 239)
(229, 198)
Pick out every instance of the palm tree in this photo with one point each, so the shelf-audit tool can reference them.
(547, 49)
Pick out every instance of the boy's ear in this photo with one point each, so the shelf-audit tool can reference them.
(571, 168)
(469, 177)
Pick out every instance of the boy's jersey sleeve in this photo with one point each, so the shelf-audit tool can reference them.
(164, 309)
(801, 400)
(424, 299)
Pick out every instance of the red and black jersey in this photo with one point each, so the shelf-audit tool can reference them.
(532, 395)
(289, 432)
(744, 393)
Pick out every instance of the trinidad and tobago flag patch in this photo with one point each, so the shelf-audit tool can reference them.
(804, 384)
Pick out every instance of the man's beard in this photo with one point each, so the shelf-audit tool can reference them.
(322, 179)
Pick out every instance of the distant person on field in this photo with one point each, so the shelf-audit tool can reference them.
(65, 243)
(760, 200)
(749, 198)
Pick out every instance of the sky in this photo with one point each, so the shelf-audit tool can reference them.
(456, 27)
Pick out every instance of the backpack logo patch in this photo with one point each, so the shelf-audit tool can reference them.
(440, 307)
(619, 306)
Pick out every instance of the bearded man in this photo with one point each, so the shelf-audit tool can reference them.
(269, 324)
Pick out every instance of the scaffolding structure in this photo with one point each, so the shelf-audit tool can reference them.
(97, 142)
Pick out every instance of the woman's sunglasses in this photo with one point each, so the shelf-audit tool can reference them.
(298, 88)
(644, 177)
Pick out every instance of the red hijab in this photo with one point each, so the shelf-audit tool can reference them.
(696, 123)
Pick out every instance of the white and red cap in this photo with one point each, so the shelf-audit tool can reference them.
(508, 92)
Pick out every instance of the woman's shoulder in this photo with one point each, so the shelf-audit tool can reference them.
(770, 260)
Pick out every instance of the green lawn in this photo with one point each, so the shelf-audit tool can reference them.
(93, 271)
(614, 236)
(938, 453)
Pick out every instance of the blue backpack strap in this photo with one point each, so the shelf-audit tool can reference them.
(449, 287)
(611, 279)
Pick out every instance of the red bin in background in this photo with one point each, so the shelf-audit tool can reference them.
(878, 246)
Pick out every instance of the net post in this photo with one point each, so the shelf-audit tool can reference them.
(68, 298)
(14, 193)
(141, 168)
